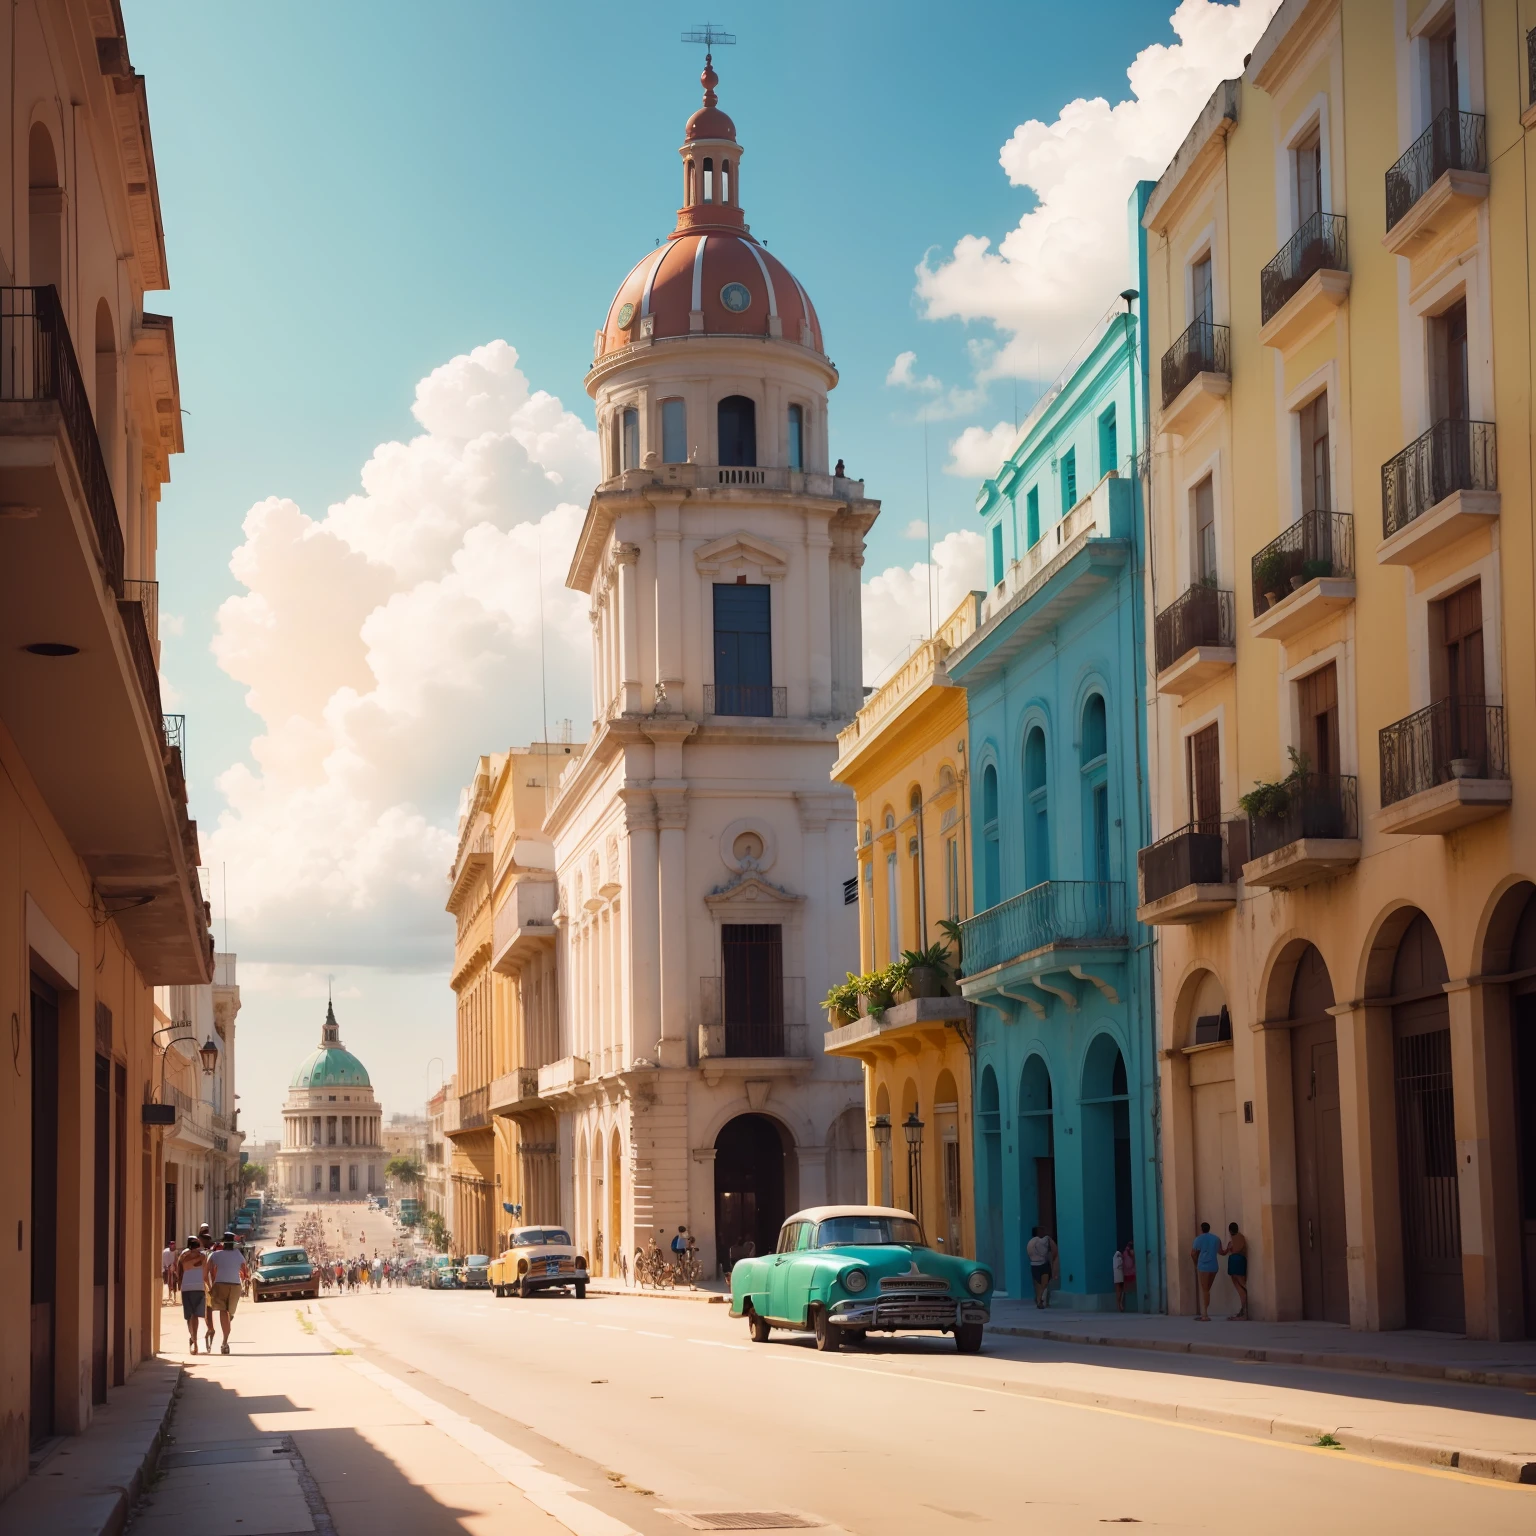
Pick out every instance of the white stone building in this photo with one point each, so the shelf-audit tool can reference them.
(333, 1141)
(701, 849)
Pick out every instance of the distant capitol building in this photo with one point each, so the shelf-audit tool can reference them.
(333, 1145)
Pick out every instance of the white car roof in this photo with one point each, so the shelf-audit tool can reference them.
(824, 1212)
(542, 1226)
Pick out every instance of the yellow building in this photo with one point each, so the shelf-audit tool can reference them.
(904, 759)
(1342, 575)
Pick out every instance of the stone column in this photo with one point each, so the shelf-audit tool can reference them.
(1178, 1178)
(644, 973)
(816, 808)
(626, 556)
(1482, 1067)
(1373, 1226)
(672, 857)
(818, 552)
(669, 599)
(1274, 1271)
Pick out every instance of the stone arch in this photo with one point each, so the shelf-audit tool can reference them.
(1037, 1148)
(847, 1170)
(1201, 996)
(884, 1193)
(45, 209)
(756, 1184)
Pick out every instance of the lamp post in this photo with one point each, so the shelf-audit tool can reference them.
(880, 1129)
(913, 1129)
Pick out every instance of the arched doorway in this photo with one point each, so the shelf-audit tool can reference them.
(847, 1180)
(1520, 961)
(45, 211)
(599, 1251)
(1107, 1207)
(749, 1187)
(989, 1206)
(1426, 1132)
(1217, 1182)
(615, 1204)
(1319, 1142)
(1037, 1149)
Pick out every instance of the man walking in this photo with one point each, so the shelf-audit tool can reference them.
(226, 1274)
(1204, 1251)
(1038, 1251)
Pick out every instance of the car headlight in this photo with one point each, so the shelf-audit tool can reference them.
(855, 1280)
(581, 1261)
(522, 1266)
(978, 1282)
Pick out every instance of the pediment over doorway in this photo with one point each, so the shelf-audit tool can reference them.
(751, 892)
(738, 549)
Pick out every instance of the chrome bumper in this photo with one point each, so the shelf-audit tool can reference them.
(887, 1314)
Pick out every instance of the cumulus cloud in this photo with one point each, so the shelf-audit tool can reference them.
(1055, 273)
(978, 451)
(385, 646)
(897, 603)
(903, 374)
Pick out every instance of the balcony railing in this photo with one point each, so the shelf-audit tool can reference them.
(1454, 141)
(474, 1109)
(1201, 616)
(1530, 67)
(1201, 349)
(142, 650)
(1320, 245)
(749, 699)
(1318, 805)
(1203, 853)
(147, 595)
(1317, 544)
(1087, 912)
(37, 362)
(1453, 739)
(175, 727)
(777, 1029)
(1451, 456)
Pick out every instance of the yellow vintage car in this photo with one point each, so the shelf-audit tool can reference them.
(539, 1259)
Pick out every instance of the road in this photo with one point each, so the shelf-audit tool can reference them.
(668, 1398)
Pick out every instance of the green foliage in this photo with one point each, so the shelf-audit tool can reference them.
(935, 957)
(437, 1231)
(950, 928)
(1270, 572)
(1312, 569)
(844, 998)
(253, 1175)
(405, 1168)
(1272, 800)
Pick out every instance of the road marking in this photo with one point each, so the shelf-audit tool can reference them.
(717, 1344)
(646, 1332)
(612, 1328)
(546, 1490)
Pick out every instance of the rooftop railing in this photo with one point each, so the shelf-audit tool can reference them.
(1451, 739)
(1320, 245)
(1454, 141)
(1087, 912)
(1200, 616)
(1316, 544)
(1452, 456)
(745, 699)
(37, 362)
(1201, 349)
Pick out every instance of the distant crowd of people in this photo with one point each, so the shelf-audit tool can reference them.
(353, 1274)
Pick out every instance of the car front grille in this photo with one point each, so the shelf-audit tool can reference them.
(914, 1285)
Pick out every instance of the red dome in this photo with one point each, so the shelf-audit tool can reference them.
(738, 285)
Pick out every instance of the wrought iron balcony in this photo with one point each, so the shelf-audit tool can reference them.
(1320, 245)
(1203, 853)
(1317, 544)
(147, 595)
(1201, 349)
(1202, 616)
(37, 362)
(1319, 805)
(1055, 912)
(474, 1109)
(770, 1024)
(1454, 141)
(1452, 739)
(1451, 456)
(745, 699)
(1530, 67)
(175, 730)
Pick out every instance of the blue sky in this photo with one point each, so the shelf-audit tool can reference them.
(354, 195)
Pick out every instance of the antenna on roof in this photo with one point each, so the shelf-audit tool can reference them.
(711, 36)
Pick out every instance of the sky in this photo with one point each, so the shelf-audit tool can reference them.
(392, 230)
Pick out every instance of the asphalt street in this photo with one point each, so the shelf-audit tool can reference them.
(669, 1398)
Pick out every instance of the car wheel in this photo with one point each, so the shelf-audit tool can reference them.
(828, 1335)
(581, 1292)
(524, 1290)
(858, 1335)
(758, 1327)
(968, 1338)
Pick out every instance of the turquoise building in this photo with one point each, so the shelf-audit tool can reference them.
(1061, 973)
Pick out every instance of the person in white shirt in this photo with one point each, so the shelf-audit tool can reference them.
(168, 1270)
(190, 1277)
(1117, 1264)
(1038, 1251)
(226, 1276)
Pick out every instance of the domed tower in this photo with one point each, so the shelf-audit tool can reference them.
(333, 1144)
(701, 849)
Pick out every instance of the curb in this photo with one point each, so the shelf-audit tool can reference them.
(716, 1298)
(1500, 1466)
(1522, 1381)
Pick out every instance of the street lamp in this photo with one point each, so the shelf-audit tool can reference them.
(912, 1127)
(881, 1127)
(210, 1055)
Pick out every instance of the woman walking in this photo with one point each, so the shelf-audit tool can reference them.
(192, 1272)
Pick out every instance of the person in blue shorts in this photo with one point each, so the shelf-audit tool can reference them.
(1205, 1251)
(1236, 1250)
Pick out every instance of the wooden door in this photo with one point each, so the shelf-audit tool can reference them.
(1205, 777)
(1319, 1145)
(1317, 703)
(1205, 532)
(1461, 625)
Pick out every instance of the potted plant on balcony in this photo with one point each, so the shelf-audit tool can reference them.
(950, 928)
(842, 1002)
(876, 992)
(1269, 575)
(1272, 801)
(926, 972)
(1312, 569)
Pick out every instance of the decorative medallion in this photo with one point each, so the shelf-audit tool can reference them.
(736, 297)
(626, 314)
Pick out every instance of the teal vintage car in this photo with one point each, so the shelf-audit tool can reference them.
(843, 1272)
(285, 1272)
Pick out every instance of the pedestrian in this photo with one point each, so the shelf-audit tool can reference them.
(1204, 1252)
(226, 1274)
(191, 1281)
(1236, 1250)
(1117, 1267)
(1128, 1265)
(168, 1271)
(376, 1272)
(205, 1239)
(1038, 1251)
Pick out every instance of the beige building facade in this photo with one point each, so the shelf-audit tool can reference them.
(1342, 575)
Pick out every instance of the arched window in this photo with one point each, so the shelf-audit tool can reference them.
(1037, 827)
(1095, 731)
(709, 179)
(689, 190)
(991, 848)
(1094, 748)
(45, 210)
(630, 440)
(736, 421)
(674, 432)
(725, 181)
(796, 437)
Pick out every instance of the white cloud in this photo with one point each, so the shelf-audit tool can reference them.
(1053, 275)
(977, 453)
(897, 601)
(916, 529)
(903, 375)
(385, 646)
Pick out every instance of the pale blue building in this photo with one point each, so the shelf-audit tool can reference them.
(1060, 971)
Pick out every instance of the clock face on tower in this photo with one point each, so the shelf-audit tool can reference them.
(736, 297)
(626, 314)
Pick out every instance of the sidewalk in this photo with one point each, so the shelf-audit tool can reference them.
(716, 1291)
(1326, 1346)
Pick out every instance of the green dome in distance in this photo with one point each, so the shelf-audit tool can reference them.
(331, 1065)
